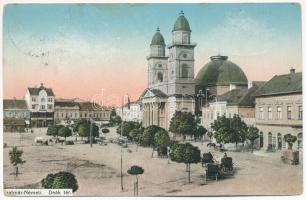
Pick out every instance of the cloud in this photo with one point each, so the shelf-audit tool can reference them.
(242, 35)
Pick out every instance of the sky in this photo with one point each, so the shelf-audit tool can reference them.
(98, 51)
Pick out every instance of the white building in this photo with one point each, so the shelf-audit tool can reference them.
(40, 102)
(131, 113)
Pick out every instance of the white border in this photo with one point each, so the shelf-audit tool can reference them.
(2, 4)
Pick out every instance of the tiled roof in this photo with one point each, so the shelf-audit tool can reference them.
(90, 106)
(14, 104)
(240, 97)
(282, 84)
(35, 91)
(65, 104)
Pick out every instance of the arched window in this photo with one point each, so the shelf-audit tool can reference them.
(185, 72)
(270, 138)
(160, 77)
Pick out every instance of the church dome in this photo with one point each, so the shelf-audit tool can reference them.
(220, 71)
(158, 38)
(181, 23)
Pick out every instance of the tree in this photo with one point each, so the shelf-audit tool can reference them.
(290, 139)
(60, 180)
(15, 158)
(127, 127)
(183, 123)
(229, 130)
(115, 120)
(252, 135)
(83, 130)
(52, 130)
(64, 132)
(162, 141)
(148, 136)
(185, 153)
(136, 170)
(199, 132)
(133, 134)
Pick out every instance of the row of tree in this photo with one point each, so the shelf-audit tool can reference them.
(234, 130)
(80, 127)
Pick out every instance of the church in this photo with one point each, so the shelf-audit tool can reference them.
(172, 85)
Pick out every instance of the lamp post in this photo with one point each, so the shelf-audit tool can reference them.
(121, 133)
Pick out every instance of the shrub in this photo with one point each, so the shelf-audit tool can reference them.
(69, 143)
(105, 130)
(60, 180)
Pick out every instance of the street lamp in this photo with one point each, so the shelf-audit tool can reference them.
(121, 133)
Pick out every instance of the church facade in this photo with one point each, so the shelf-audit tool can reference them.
(171, 85)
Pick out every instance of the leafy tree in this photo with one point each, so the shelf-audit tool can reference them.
(84, 129)
(229, 130)
(105, 130)
(290, 139)
(52, 130)
(15, 158)
(136, 170)
(60, 180)
(182, 123)
(127, 127)
(115, 120)
(185, 153)
(64, 132)
(199, 132)
(149, 134)
(133, 134)
(162, 141)
(252, 135)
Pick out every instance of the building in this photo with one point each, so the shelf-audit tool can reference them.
(239, 102)
(16, 116)
(90, 110)
(70, 110)
(66, 111)
(170, 78)
(171, 83)
(40, 102)
(131, 112)
(216, 78)
(279, 111)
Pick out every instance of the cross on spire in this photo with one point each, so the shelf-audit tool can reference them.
(157, 29)
(181, 13)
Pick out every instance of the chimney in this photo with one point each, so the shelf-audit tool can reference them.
(292, 71)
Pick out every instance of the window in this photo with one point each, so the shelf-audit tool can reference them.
(42, 100)
(62, 115)
(75, 115)
(185, 71)
(160, 51)
(33, 99)
(261, 114)
(279, 112)
(42, 107)
(300, 112)
(81, 115)
(49, 99)
(269, 113)
(50, 107)
(160, 77)
(33, 106)
(289, 108)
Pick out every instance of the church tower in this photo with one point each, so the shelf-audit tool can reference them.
(157, 64)
(181, 59)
